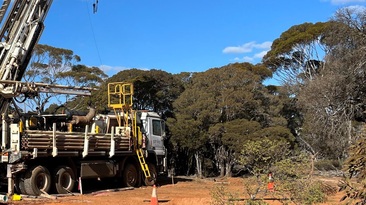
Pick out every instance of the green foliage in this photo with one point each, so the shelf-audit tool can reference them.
(154, 90)
(54, 109)
(56, 66)
(354, 167)
(355, 192)
(84, 76)
(261, 154)
(292, 178)
(299, 34)
(46, 65)
(329, 119)
(48, 62)
(327, 91)
(193, 137)
(79, 103)
(254, 184)
(255, 202)
(328, 165)
(306, 192)
(292, 167)
(222, 108)
(288, 43)
(356, 161)
(259, 70)
(220, 196)
(276, 133)
(236, 132)
(81, 75)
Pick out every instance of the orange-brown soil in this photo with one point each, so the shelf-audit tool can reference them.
(177, 191)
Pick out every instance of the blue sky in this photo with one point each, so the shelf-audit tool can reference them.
(177, 36)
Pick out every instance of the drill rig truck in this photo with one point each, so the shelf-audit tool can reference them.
(50, 153)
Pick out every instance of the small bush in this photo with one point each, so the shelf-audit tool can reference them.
(328, 165)
(252, 186)
(220, 196)
(303, 191)
(255, 202)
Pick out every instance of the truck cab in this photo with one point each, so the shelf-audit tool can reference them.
(154, 133)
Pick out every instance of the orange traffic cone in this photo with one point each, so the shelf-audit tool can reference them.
(154, 197)
(270, 185)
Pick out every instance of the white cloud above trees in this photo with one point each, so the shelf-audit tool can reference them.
(340, 2)
(255, 51)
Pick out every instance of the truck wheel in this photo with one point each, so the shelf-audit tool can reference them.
(130, 176)
(19, 184)
(64, 179)
(153, 175)
(37, 180)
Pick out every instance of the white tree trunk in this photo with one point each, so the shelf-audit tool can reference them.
(198, 158)
(229, 166)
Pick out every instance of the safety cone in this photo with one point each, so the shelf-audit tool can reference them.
(270, 185)
(154, 197)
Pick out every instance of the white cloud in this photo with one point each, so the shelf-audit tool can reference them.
(247, 59)
(260, 54)
(338, 2)
(247, 47)
(265, 45)
(257, 50)
(108, 68)
(243, 59)
(112, 70)
(357, 8)
(251, 59)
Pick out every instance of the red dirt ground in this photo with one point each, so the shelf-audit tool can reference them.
(184, 191)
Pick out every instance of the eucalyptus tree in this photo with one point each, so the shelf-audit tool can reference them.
(349, 60)
(329, 96)
(83, 76)
(46, 65)
(297, 58)
(298, 54)
(154, 90)
(218, 111)
(337, 95)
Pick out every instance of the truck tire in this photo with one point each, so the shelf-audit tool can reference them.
(130, 176)
(37, 180)
(19, 184)
(64, 179)
(153, 175)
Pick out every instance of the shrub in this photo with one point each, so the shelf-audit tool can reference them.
(328, 165)
(220, 196)
(255, 202)
(307, 192)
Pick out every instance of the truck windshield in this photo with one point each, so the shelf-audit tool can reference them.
(156, 125)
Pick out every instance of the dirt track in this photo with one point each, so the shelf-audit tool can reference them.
(184, 191)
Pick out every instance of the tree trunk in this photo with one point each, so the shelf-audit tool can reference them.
(222, 168)
(198, 164)
(220, 157)
(228, 168)
(229, 164)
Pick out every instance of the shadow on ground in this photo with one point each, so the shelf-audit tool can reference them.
(94, 185)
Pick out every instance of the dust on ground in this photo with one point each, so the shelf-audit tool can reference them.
(170, 191)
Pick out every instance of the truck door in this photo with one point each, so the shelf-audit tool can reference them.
(156, 135)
